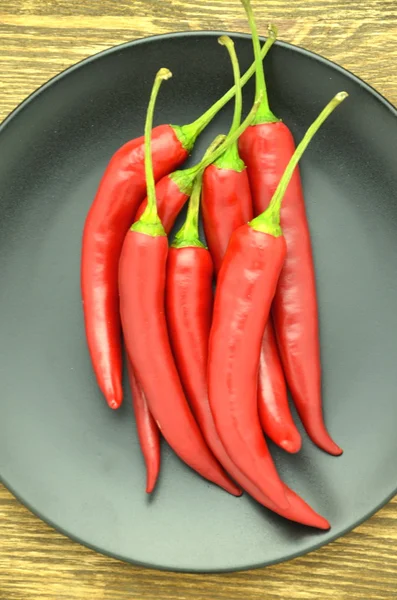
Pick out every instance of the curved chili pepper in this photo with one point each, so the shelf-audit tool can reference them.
(247, 283)
(189, 310)
(245, 288)
(142, 286)
(266, 148)
(148, 432)
(120, 192)
(227, 204)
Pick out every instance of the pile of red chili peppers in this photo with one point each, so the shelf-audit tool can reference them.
(210, 372)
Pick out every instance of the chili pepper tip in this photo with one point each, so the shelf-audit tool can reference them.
(150, 483)
(322, 523)
(292, 446)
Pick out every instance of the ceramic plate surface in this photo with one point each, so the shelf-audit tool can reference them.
(77, 464)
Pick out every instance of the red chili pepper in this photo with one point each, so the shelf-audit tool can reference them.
(226, 197)
(266, 148)
(142, 272)
(245, 289)
(172, 191)
(227, 204)
(273, 407)
(120, 192)
(189, 310)
(148, 432)
(247, 283)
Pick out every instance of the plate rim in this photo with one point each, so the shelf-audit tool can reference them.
(202, 33)
(81, 64)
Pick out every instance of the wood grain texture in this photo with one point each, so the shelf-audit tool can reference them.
(39, 38)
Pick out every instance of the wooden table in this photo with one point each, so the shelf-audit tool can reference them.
(39, 38)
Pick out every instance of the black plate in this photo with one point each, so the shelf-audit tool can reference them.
(77, 464)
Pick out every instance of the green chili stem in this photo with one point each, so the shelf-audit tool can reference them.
(150, 215)
(189, 133)
(193, 208)
(259, 73)
(188, 235)
(233, 137)
(184, 178)
(189, 230)
(211, 148)
(180, 176)
(226, 41)
(231, 158)
(265, 115)
(269, 220)
(219, 142)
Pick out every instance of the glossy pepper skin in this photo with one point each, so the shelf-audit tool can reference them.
(148, 432)
(246, 285)
(226, 204)
(189, 309)
(142, 273)
(266, 150)
(119, 195)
